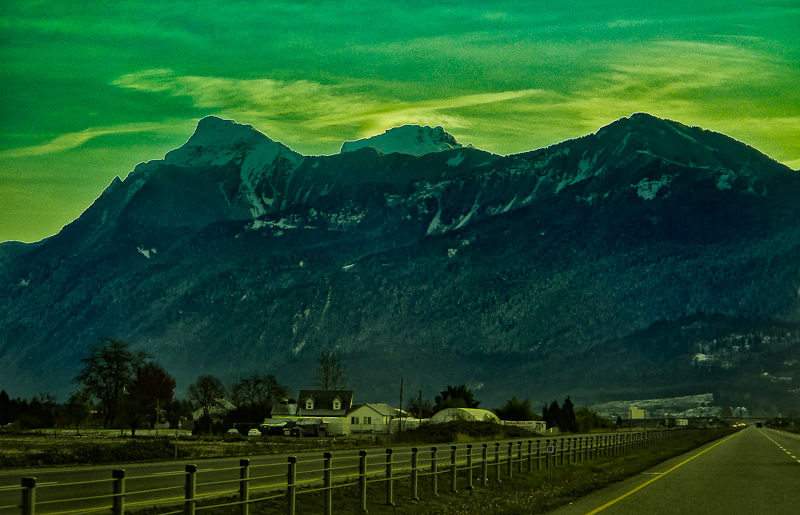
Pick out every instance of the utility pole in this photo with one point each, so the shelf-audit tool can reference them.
(400, 413)
(419, 407)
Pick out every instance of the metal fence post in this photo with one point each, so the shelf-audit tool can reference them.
(570, 451)
(497, 462)
(530, 455)
(191, 482)
(118, 504)
(469, 466)
(453, 469)
(510, 464)
(414, 473)
(389, 481)
(519, 456)
(327, 483)
(434, 469)
(538, 455)
(28, 495)
(362, 479)
(244, 486)
(562, 451)
(291, 480)
(485, 464)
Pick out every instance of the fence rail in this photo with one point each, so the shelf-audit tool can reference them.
(457, 466)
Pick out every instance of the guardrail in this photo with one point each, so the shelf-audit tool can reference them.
(458, 465)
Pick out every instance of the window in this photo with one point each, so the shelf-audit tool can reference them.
(354, 421)
(309, 403)
(367, 420)
(337, 404)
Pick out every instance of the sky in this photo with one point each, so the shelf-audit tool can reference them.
(88, 89)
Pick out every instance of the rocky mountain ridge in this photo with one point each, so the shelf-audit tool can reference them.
(624, 249)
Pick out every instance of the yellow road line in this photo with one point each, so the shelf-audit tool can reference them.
(606, 505)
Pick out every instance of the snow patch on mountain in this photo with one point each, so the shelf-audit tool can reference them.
(724, 182)
(648, 189)
(217, 142)
(455, 161)
(146, 252)
(414, 140)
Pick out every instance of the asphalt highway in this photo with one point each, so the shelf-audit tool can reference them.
(755, 471)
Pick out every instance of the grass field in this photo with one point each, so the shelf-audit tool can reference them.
(100, 447)
(63, 447)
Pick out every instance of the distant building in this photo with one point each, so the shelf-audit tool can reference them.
(469, 414)
(217, 411)
(534, 426)
(635, 413)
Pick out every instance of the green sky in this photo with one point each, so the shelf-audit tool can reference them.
(88, 89)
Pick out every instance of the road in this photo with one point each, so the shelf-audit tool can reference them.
(755, 471)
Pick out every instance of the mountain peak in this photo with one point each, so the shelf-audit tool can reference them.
(415, 140)
(216, 141)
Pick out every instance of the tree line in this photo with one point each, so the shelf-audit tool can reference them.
(122, 388)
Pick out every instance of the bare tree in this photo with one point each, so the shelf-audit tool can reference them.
(206, 392)
(107, 370)
(331, 373)
(78, 408)
(259, 390)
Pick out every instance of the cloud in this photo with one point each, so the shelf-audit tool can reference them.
(711, 84)
(73, 140)
(290, 106)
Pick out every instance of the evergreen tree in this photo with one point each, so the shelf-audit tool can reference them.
(8, 408)
(455, 397)
(554, 413)
(514, 409)
(568, 416)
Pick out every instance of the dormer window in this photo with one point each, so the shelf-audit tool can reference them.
(309, 403)
(337, 404)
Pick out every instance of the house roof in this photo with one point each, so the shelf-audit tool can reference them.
(323, 399)
(284, 410)
(380, 408)
(220, 407)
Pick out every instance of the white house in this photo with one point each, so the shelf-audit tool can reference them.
(371, 418)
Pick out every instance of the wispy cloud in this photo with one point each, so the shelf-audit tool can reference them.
(74, 140)
(289, 107)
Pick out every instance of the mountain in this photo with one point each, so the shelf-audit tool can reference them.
(407, 139)
(648, 259)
